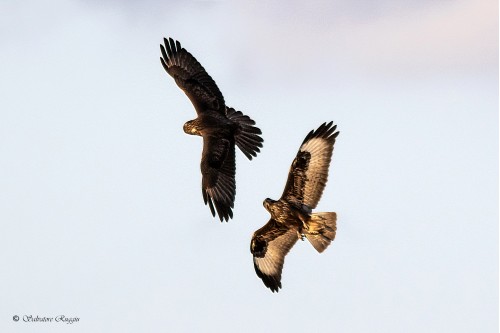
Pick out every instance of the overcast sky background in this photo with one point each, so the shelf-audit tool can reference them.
(100, 203)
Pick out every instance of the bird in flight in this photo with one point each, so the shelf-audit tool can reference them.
(220, 126)
(291, 216)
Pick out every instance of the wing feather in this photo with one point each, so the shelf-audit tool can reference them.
(270, 244)
(309, 171)
(218, 175)
(191, 77)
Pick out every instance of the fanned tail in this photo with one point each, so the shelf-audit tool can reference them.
(322, 229)
(247, 136)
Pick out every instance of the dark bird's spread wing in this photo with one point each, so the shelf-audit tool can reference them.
(309, 171)
(218, 170)
(191, 77)
(270, 244)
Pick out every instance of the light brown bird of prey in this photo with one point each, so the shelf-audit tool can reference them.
(220, 126)
(291, 216)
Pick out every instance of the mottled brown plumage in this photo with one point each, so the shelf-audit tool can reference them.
(291, 216)
(220, 126)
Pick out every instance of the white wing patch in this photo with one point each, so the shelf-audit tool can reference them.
(317, 170)
(268, 265)
(272, 262)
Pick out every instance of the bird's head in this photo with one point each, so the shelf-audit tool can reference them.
(191, 127)
(268, 203)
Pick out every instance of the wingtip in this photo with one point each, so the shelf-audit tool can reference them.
(164, 64)
(172, 44)
(223, 213)
(273, 283)
(275, 290)
(164, 53)
(225, 216)
(326, 130)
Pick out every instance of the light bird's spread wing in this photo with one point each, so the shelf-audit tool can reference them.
(270, 244)
(218, 171)
(309, 171)
(191, 77)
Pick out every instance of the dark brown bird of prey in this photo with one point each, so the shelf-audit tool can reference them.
(291, 216)
(220, 126)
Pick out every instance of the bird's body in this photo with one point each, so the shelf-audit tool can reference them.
(291, 216)
(281, 211)
(221, 127)
(211, 123)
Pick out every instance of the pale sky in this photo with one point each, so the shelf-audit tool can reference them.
(101, 205)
